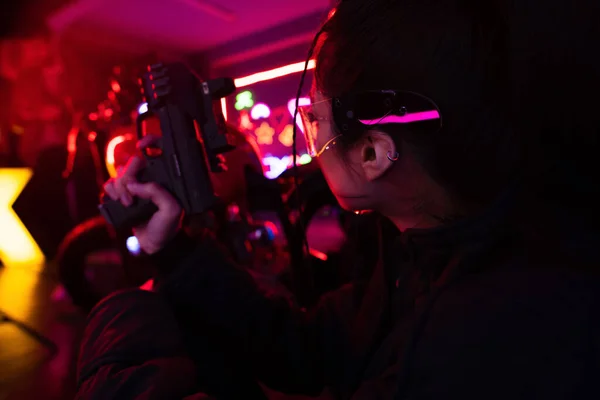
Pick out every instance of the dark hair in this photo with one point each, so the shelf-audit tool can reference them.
(507, 77)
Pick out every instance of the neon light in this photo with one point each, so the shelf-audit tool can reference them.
(305, 159)
(405, 119)
(264, 133)
(244, 100)
(303, 101)
(276, 165)
(17, 247)
(317, 254)
(148, 286)
(273, 74)
(224, 108)
(259, 111)
(114, 85)
(143, 108)
(245, 122)
(267, 76)
(286, 137)
(133, 245)
(110, 152)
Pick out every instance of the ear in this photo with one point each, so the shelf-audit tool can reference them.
(375, 150)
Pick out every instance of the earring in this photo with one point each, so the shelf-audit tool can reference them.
(394, 157)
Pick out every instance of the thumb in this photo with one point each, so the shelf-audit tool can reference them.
(154, 192)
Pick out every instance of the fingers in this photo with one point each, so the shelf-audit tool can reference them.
(110, 190)
(116, 189)
(157, 194)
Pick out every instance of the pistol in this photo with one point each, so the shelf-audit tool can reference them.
(193, 138)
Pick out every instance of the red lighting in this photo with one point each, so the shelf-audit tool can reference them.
(318, 254)
(110, 152)
(108, 112)
(92, 136)
(114, 85)
(93, 116)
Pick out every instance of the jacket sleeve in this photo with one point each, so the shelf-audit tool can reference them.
(287, 349)
(131, 349)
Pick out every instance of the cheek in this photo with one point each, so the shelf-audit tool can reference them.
(340, 179)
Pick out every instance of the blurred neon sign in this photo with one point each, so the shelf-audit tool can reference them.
(17, 246)
(260, 111)
(277, 165)
(264, 133)
(286, 137)
(244, 100)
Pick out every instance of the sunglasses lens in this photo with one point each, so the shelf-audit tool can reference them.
(310, 128)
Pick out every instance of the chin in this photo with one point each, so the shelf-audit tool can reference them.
(354, 204)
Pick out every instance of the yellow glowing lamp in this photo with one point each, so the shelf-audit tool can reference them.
(17, 247)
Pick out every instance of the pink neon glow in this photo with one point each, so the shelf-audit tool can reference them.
(267, 76)
(259, 111)
(303, 101)
(405, 119)
(224, 107)
(273, 74)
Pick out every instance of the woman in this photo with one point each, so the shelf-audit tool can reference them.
(464, 124)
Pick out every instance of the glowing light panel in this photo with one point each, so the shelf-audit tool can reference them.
(17, 247)
(260, 110)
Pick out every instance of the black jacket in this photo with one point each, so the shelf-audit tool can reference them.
(464, 311)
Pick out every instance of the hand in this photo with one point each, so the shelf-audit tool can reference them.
(164, 224)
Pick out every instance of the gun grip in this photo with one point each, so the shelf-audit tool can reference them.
(119, 216)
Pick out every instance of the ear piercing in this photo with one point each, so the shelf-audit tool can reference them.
(393, 157)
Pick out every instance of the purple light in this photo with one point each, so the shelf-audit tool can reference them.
(133, 245)
(259, 111)
(405, 119)
(143, 108)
